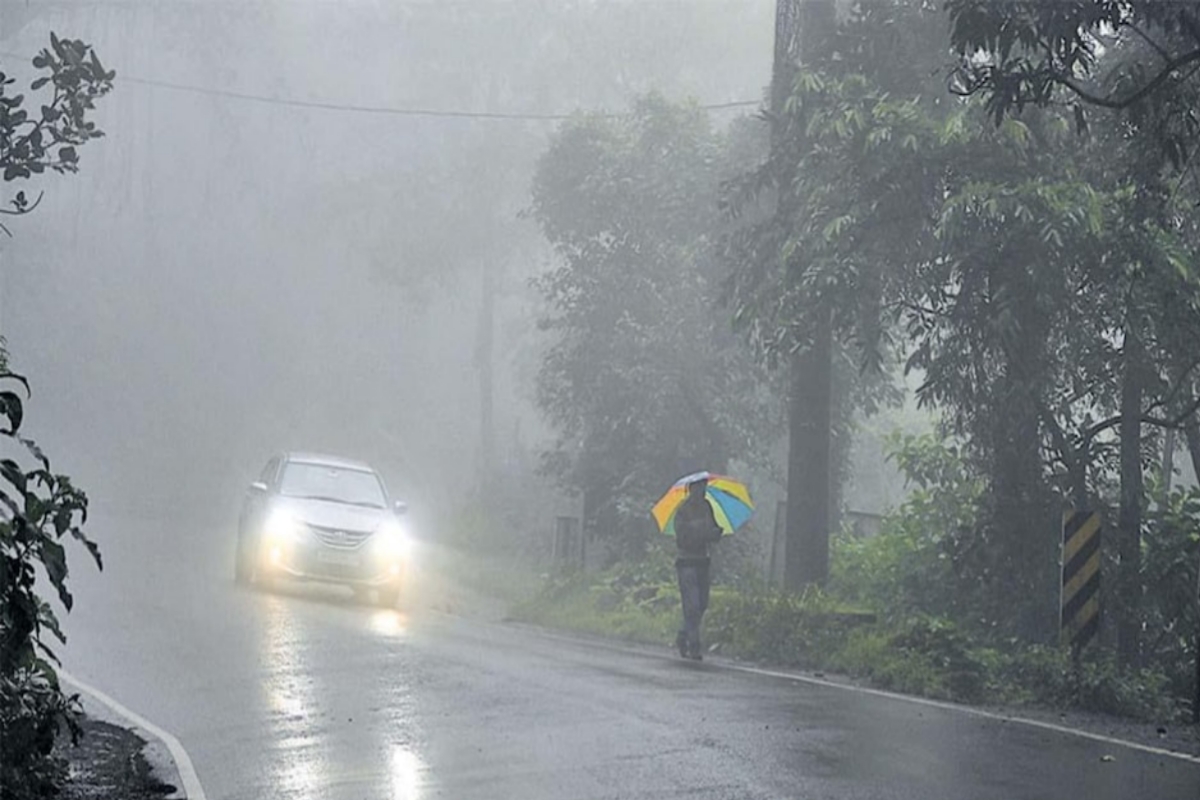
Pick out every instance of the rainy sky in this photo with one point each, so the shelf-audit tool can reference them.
(228, 277)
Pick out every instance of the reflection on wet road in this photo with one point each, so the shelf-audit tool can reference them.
(342, 714)
(307, 694)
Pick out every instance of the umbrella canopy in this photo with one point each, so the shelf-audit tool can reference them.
(729, 498)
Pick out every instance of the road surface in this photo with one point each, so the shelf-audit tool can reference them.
(309, 695)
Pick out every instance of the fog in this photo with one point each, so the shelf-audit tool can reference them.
(228, 277)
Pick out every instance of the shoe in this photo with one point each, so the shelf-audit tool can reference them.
(695, 655)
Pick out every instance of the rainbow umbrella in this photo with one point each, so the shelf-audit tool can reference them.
(729, 498)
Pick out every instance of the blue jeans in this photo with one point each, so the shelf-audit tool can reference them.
(693, 596)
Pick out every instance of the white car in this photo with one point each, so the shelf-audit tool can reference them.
(322, 518)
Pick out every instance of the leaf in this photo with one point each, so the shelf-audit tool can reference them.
(91, 546)
(54, 559)
(12, 408)
(12, 472)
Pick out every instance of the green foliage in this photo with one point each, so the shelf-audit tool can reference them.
(1027, 268)
(1135, 55)
(919, 654)
(1171, 589)
(40, 511)
(924, 655)
(32, 709)
(773, 626)
(920, 562)
(642, 380)
(942, 635)
(635, 601)
(838, 205)
(1008, 264)
(50, 139)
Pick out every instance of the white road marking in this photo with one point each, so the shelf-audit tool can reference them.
(921, 701)
(975, 712)
(187, 773)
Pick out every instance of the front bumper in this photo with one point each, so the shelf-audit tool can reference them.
(313, 561)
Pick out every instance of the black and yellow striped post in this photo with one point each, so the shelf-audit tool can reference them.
(1080, 605)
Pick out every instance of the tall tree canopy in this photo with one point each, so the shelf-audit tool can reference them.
(644, 379)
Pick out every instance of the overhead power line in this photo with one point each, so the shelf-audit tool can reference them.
(392, 110)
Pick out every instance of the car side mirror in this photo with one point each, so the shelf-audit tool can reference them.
(400, 507)
(258, 486)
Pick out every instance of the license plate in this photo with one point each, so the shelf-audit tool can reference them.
(341, 559)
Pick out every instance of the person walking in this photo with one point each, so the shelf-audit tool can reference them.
(695, 529)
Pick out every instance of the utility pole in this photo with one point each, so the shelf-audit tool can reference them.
(804, 34)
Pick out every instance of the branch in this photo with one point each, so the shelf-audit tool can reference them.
(1176, 421)
(1107, 102)
(1059, 437)
(17, 212)
(1181, 382)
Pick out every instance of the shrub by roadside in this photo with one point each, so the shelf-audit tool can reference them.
(921, 655)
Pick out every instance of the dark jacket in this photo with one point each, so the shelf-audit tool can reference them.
(695, 529)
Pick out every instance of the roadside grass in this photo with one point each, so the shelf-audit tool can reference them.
(589, 610)
(924, 656)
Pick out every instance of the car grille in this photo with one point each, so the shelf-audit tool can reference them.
(339, 537)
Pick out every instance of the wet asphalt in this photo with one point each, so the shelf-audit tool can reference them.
(307, 693)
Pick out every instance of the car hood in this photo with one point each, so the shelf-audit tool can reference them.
(328, 514)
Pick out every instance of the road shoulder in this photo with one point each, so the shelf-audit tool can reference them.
(1180, 741)
(109, 763)
(169, 767)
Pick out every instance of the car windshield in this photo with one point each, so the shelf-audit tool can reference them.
(339, 484)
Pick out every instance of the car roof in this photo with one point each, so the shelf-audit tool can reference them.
(327, 461)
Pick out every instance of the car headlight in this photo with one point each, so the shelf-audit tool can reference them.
(282, 526)
(394, 540)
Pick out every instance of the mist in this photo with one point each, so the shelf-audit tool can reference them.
(226, 278)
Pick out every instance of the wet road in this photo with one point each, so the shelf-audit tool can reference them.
(308, 695)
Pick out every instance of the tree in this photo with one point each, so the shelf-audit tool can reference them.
(807, 282)
(986, 246)
(38, 509)
(30, 145)
(643, 379)
(1114, 54)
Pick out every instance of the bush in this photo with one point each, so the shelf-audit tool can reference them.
(931, 656)
(43, 509)
(924, 656)
(33, 710)
(796, 630)
(915, 565)
(1101, 685)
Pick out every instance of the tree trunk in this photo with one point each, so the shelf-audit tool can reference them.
(1024, 584)
(804, 32)
(1191, 432)
(806, 555)
(484, 364)
(1129, 519)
